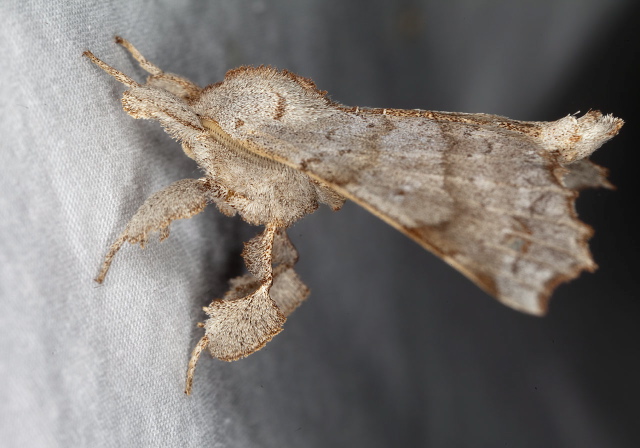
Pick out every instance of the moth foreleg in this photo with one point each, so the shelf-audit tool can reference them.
(180, 200)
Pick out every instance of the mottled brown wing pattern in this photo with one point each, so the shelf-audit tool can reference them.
(488, 200)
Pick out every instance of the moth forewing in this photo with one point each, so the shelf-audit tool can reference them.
(485, 193)
(493, 197)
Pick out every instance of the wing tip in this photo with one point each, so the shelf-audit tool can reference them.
(574, 139)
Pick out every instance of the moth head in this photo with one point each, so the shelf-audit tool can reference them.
(179, 86)
(136, 102)
(134, 99)
(159, 94)
(173, 112)
(164, 97)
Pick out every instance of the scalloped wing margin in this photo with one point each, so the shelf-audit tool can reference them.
(494, 202)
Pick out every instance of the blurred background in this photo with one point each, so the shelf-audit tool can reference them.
(393, 347)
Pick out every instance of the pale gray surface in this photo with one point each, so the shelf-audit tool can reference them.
(392, 348)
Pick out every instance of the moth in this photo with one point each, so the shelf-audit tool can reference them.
(491, 196)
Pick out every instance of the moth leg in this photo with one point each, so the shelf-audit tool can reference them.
(175, 84)
(287, 289)
(195, 356)
(180, 200)
(247, 317)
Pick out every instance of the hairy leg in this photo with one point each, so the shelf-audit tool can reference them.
(287, 289)
(180, 200)
(254, 309)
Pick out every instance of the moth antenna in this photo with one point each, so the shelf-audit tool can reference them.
(144, 63)
(195, 355)
(121, 77)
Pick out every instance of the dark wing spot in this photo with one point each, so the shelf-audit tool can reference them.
(280, 107)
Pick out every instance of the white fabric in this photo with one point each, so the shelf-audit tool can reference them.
(393, 348)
